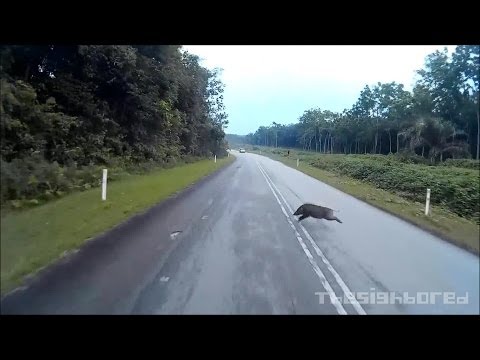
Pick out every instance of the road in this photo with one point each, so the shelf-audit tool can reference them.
(230, 245)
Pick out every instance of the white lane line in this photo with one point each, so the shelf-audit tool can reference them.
(319, 252)
(316, 268)
(174, 234)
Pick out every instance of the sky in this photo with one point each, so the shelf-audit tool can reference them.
(270, 83)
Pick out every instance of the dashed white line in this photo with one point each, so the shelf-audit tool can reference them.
(333, 298)
(319, 252)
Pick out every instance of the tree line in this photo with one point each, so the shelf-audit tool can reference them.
(439, 119)
(67, 110)
(89, 104)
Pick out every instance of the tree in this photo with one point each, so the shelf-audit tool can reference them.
(139, 102)
(467, 68)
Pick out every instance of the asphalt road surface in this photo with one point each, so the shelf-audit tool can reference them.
(230, 245)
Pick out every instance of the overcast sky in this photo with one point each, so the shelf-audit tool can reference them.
(278, 83)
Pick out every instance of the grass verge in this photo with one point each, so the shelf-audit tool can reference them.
(441, 222)
(33, 238)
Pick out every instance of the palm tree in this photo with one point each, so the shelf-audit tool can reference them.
(433, 133)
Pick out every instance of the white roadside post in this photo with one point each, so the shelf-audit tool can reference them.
(297, 162)
(215, 158)
(427, 204)
(104, 185)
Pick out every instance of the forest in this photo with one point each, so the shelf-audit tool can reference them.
(66, 111)
(437, 120)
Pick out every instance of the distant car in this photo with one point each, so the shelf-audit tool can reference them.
(242, 150)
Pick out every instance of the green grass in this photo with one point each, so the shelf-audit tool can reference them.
(33, 238)
(441, 222)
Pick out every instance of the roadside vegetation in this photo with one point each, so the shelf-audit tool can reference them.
(68, 111)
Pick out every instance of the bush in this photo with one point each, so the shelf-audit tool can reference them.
(454, 188)
(410, 158)
(462, 163)
(32, 180)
